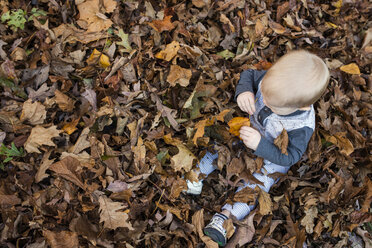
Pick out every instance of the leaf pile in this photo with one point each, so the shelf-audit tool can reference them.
(114, 102)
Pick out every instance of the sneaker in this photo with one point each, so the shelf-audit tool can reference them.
(194, 188)
(215, 229)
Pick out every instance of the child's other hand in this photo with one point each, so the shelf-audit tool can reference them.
(246, 101)
(251, 137)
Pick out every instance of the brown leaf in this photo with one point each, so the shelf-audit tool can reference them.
(229, 227)
(44, 165)
(246, 195)
(9, 200)
(282, 142)
(224, 156)
(35, 112)
(70, 127)
(236, 123)
(279, 29)
(244, 233)
(282, 9)
(162, 25)
(169, 52)
(183, 160)
(340, 140)
(198, 222)
(63, 239)
(179, 75)
(64, 102)
(112, 214)
(41, 136)
(67, 168)
(177, 187)
(90, 16)
(173, 210)
(264, 201)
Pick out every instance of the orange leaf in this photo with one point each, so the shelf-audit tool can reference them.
(200, 128)
(236, 123)
(162, 25)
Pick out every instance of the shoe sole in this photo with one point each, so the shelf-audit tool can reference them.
(215, 235)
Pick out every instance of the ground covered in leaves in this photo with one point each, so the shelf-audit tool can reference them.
(106, 106)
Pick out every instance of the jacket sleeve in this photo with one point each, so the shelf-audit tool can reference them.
(249, 81)
(297, 144)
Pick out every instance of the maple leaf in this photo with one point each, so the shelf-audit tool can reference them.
(35, 112)
(112, 214)
(162, 25)
(169, 52)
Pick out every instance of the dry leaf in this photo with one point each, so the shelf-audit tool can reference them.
(35, 112)
(104, 61)
(198, 222)
(70, 127)
(112, 214)
(179, 75)
(183, 160)
(177, 187)
(162, 25)
(41, 136)
(67, 168)
(279, 29)
(243, 234)
(282, 142)
(236, 123)
(350, 68)
(82, 142)
(64, 102)
(200, 129)
(308, 220)
(44, 165)
(63, 239)
(229, 227)
(174, 210)
(265, 204)
(246, 195)
(169, 52)
(91, 18)
(340, 140)
(8, 200)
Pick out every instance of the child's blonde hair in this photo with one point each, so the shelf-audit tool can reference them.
(296, 80)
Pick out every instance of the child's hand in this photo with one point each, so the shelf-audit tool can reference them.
(246, 101)
(251, 137)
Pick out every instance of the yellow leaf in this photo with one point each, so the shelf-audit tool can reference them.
(331, 25)
(350, 68)
(169, 52)
(94, 57)
(104, 61)
(70, 127)
(236, 123)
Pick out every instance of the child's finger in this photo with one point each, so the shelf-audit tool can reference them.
(247, 107)
(252, 104)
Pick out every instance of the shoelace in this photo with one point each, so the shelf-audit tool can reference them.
(218, 221)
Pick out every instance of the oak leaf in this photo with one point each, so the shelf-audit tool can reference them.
(236, 123)
(41, 136)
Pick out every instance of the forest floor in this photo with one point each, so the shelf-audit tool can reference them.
(106, 106)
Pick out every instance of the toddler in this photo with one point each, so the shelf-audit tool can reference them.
(277, 99)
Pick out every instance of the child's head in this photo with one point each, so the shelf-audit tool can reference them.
(295, 81)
